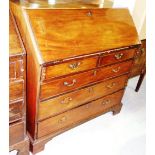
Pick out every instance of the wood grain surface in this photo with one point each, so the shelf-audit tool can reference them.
(74, 56)
(78, 114)
(59, 86)
(72, 32)
(16, 133)
(71, 100)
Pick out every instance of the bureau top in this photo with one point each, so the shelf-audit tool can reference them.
(14, 42)
(65, 33)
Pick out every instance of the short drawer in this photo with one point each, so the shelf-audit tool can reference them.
(16, 133)
(16, 69)
(71, 100)
(77, 115)
(59, 86)
(69, 67)
(16, 90)
(116, 57)
(15, 111)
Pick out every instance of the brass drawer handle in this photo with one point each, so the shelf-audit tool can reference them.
(87, 106)
(119, 56)
(106, 102)
(89, 14)
(95, 73)
(142, 50)
(22, 70)
(111, 85)
(66, 100)
(74, 65)
(91, 90)
(63, 119)
(70, 85)
(116, 70)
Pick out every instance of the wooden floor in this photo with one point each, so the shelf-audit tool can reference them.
(123, 134)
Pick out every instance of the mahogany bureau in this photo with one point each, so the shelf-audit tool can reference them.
(78, 64)
(17, 101)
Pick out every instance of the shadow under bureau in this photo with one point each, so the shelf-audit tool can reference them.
(78, 64)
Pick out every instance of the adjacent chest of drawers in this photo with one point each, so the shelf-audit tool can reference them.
(140, 61)
(17, 94)
(78, 64)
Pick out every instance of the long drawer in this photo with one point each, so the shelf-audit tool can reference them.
(69, 83)
(16, 90)
(71, 100)
(16, 133)
(16, 111)
(79, 114)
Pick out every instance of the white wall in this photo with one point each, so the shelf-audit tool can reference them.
(137, 9)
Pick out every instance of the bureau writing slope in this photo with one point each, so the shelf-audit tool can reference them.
(17, 99)
(78, 64)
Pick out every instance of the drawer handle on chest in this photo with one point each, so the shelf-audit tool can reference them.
(91, 90)
(95, 73)
(111, 85)
(116, 70)
(106, 102)
(142, 50)
(74, 65)
(63, 119)
(66, 100)
(69, 85)
(118, 56)
(89, 14)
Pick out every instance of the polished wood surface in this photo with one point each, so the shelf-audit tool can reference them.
(71, 100)
(16, 133)
(69, 83)
(73, 31)
(64, 37)
(15, 111)
(72, 66)
(78, 114)
(119, 56)
(22, 147)
(17, 91)
(139, 67)
(14, 43)
(16, 68)
(72, 52)
(140, 61)
(39, 144)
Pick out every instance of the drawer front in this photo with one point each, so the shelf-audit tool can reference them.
(78, 115)
(69, 83)
(16, 90)
(15, 111)
(117, 57)
(140, 61)
(16, 70)
(71, 100)
(69, 67)
(16, 133)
